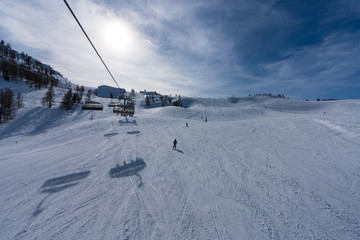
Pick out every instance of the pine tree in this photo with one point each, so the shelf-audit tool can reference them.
(75, 97)
(2, 103)
(67, 102)
(6, 104)
(48, 99)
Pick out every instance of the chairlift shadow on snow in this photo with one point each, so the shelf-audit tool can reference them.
(133, 132)
(129, 169)
(126, 121)
(110, 134)
(58, 184)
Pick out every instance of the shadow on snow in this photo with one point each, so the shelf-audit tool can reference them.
(180, 151)
(129, 169)
(133, 132)
(110, 134)
(58, 184)
(126, 121)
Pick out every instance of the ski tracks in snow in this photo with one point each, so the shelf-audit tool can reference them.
(292, 194)
(264, 177)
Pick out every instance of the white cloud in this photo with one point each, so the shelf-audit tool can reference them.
(184, 47)
(49, 26)
(331, 64)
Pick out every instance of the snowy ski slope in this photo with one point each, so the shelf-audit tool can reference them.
(260, 168)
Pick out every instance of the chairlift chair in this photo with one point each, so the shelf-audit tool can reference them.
(91, 105)
(112, 104)
(125, 110)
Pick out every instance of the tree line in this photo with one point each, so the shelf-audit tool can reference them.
(16, 67)
(269, 95)
(69, 99)
(164, 100)
(8, 102)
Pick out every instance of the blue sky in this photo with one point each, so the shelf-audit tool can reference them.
(305, 49)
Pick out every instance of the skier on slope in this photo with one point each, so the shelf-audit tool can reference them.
(175, 142)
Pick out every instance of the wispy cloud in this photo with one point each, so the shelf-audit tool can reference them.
(321, 69)
(197, 48)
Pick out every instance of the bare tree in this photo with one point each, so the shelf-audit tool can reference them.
(19, 100)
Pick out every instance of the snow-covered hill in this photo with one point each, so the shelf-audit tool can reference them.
(259, 168)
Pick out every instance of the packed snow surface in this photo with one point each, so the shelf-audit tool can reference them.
(259, 168)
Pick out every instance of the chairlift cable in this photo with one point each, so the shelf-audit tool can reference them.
(91, 43)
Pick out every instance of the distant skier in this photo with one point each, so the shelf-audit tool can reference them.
(187, 125)
(175, 142)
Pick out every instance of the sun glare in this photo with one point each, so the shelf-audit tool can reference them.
(118, 36)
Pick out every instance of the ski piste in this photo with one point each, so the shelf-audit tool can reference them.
(254, 170)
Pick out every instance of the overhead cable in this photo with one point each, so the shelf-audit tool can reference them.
(91, 43)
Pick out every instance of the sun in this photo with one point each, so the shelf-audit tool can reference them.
(118, 36)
